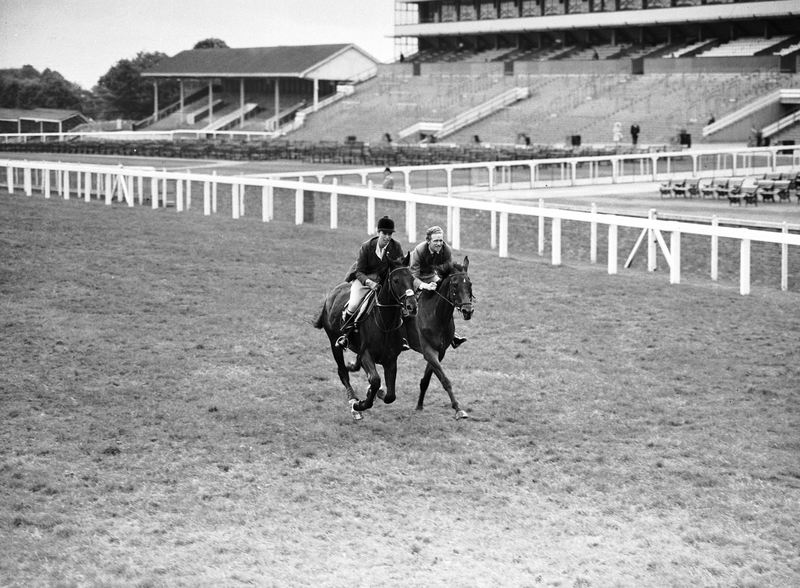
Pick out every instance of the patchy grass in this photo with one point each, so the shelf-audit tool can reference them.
(170, 418)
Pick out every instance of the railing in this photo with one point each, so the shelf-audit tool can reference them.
(781, 124)
(747, 110)
(496, 176)
(231, 118)
(128, 183)
(481, 111)
(174, 107)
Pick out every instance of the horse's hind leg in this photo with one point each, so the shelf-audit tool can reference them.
(344, 376)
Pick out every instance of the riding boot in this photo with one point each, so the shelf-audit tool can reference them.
(347, 328)
(457, 340)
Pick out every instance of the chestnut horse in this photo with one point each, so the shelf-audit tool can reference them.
(379, 335)
(431, 331)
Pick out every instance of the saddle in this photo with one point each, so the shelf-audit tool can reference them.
(364, 308)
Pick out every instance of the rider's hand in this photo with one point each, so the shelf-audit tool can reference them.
(372, 285)
(431, 286)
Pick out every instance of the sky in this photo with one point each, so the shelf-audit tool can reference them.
(83, 39)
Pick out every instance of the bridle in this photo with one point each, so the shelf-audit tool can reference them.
(450, 298)
(399, 301)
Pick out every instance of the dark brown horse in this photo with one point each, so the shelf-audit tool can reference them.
(379, 337)
(431, 331)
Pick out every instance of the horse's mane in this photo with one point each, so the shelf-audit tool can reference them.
(450, 267)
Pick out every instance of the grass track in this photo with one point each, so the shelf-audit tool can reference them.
(170, 418)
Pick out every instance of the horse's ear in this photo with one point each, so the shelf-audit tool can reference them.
(466, 262)
(407, 259)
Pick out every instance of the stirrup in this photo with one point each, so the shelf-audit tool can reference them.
(457, 341)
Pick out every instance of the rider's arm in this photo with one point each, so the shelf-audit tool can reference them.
(415, 267)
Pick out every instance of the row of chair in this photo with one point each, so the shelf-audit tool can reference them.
(774, 187)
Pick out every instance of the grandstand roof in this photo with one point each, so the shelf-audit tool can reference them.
(285, 61)
(43, 114)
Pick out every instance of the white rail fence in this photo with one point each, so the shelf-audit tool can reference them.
(130, 185)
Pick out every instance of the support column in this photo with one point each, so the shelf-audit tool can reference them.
(155, 101)
(183, 96)
(277, 100)
(241, 102)
(316, 94)
(210, 101)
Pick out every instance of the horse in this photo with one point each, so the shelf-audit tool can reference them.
(431, 331)
(379, 337)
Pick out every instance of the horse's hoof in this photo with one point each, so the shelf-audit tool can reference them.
(357, 416)
(388, 399)
(460, 414)
(381, 393)
(419, 408)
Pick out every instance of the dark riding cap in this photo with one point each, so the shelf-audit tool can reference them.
(386, 224)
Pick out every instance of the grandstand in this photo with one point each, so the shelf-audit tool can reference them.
(511, 73)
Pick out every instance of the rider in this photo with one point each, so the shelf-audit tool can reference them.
(365, 276)
(427, 259)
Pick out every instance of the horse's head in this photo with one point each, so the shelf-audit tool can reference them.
(397, 284)
(459, 287)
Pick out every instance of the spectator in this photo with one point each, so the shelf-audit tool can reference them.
(635, 133)
(711, 120)
(617, 133)
(595, 56)
(388, 181)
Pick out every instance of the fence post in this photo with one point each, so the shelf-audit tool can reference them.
(206, 198)
(214, 193)
(785, 259)
(188, 191)
(179, 195)
(154, 192)
(556, 249)
(46, 182)
(26, 180)
(87, 188)
(109, 189)
(456, 242)
(541, 226)
(493, 233)
(298, 207)
(612, 249)
(714, 248)
(240, 192)
(503, 234)
(140, 188)
(78, 184)
(234, 201)
(370, 211)
(593, 237)
(334, 206)
(652, 249)
(675, 252)
(164, 189)
(10, 178)
(744, 268)
(411, 217)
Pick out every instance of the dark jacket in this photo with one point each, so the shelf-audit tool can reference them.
(424, 264)
(368, 263)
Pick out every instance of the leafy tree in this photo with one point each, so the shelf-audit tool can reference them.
(126, 94)
(211, 43)
(27, 88)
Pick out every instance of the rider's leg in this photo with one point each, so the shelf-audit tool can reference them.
(357, 293)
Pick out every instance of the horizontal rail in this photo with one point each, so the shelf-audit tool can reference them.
(120, 180)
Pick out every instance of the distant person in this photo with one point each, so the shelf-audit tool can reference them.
(635, 133)
(427, 260)
(617, 133)
(711, 120)
(388, 181)
(595, 56)
(402, 58)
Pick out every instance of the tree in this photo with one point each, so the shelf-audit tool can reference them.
(27, 88)
(126, 94)
(211, 43)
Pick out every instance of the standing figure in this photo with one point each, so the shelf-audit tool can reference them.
(388, 181)
(617, 133)
(635, 133)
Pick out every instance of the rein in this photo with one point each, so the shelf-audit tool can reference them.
(398, 303)
(446, 299)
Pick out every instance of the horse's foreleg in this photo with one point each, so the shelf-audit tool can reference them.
(390, 376)
(374, 383)
(436, 367)
(423, 385)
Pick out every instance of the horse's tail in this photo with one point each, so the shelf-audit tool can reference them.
(318, 320)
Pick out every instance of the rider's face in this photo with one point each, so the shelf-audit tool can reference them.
(383, 238)
(437, 242)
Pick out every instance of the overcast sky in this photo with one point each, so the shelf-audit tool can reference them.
(82, 39)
